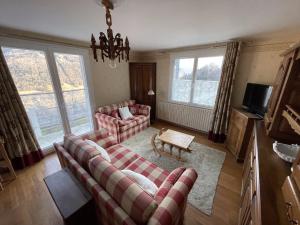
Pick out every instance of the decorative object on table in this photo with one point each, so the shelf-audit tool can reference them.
(286, 152)
(74, 203)
(220, 118)
(143, 84)
(111, 46)
(5, 162)
(205, 160)
(176, 141)
(20, 142)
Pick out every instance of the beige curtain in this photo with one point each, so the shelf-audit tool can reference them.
(20, 142)
(219, 124)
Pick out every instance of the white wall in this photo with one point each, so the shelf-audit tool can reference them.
(258, 63)
(109, 85)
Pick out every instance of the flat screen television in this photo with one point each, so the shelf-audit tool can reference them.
(256, 98)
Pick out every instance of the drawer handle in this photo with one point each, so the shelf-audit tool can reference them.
(288, 209)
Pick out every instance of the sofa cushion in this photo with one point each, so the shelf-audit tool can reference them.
(102, 151)
(127, 103)
(96, 135)
(115, 114)
(165, 187)
(133, 109)
(120, 156)
(126, 124)
(81, 151)
(149, 170)
(108, 109)
(145, 183)
(132, 198)
(140, 119)
(102, 138)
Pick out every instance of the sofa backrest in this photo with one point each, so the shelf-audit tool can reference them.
(109, 108)
(80, 150)
(101, 137)
(131, 197)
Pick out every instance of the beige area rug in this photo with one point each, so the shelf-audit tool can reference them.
(205, 160)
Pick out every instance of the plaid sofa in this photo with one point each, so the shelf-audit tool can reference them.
(123, 129)
(119, 200)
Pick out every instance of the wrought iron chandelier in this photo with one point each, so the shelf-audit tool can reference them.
(111, 46)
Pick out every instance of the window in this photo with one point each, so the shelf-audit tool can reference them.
(195, 80)
(53, 88)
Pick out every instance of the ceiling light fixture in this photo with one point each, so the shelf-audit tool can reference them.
(112, 47)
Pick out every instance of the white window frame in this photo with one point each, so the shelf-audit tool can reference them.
(201, 53)
(49, 49)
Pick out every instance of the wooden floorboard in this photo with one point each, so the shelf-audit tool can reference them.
(26, 201)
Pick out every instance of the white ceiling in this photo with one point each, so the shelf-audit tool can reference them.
(157, 24)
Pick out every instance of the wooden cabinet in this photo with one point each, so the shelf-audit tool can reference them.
(262, 202)
(239, 131)
(286, 91)
(248, 210)
(143, 79)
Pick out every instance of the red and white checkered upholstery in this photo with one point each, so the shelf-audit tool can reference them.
(149, 170)
(101, 137)
(121, 129)
(171, 209)
(138, 207)
(79, 149)
(120, 156)
(125, 125)
(168, 183)
(110, 212)
(132, 198)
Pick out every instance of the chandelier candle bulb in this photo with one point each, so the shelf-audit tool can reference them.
(112, 47)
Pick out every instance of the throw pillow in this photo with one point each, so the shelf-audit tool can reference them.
(125, 113)
(102, 151)
(115, 114)
(146, 184)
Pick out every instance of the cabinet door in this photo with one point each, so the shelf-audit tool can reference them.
(278, 85)
(236, 132)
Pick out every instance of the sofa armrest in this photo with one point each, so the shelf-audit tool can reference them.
(144, 109)
(171, 210)
(108, 122)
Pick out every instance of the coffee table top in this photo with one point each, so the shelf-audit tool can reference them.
(178, 139)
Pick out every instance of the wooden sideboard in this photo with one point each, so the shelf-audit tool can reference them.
(262, 202)
(239, 131)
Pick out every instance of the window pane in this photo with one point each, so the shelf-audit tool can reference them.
(31, 76)
(72, 80)
(207, 79)
(182, 80)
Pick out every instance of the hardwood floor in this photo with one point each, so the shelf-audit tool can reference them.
(26, 201)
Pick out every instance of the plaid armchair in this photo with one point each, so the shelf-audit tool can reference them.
(123, 129)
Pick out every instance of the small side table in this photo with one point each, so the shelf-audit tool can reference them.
(74, 203)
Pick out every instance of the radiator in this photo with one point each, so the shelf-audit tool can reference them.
(188, 116)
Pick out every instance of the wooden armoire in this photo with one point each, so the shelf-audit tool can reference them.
(142, 80)
(286, 91)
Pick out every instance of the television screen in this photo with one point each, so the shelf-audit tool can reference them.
(256, 98)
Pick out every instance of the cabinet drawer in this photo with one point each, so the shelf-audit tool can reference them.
(291, 199)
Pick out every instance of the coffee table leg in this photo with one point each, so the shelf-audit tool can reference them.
(179, 153)
(171, 149)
